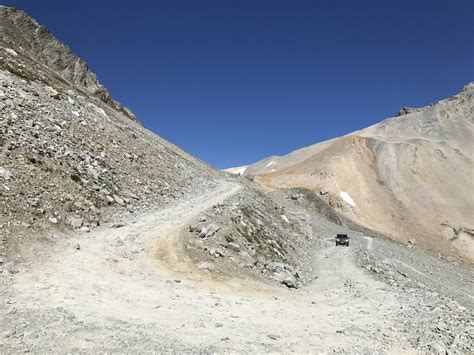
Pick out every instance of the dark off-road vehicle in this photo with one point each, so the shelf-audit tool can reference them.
(342, 239)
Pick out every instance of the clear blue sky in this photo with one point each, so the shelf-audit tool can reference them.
(235, 81)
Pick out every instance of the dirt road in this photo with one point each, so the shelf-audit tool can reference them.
(107, 291)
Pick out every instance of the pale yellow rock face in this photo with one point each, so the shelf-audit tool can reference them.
(410, 177)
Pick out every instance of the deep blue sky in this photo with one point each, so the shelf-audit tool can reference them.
(235, 81)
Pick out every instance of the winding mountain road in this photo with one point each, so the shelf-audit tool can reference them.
(119, 290)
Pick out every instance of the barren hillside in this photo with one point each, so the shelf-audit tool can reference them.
(410, 177)
(73, 159)
(71, 156)
(113, 240)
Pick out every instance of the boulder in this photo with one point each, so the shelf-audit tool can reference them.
(204, 265)
(246, 260)
(5, 174)
(119, 200)
(216, 252)
(233, 246)
(285, 278)
(75, 222)
(279, 267)
(52, 92)
(208, 231)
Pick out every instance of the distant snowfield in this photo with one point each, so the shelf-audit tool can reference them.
(347, 198)
(237, 171)
(269, 164)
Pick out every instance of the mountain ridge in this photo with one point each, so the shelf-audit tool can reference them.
(19, 29)
(412, 154)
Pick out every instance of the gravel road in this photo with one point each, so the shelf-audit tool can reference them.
(123, 289)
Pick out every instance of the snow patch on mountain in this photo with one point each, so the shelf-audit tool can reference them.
(240, 170)
(347, 198)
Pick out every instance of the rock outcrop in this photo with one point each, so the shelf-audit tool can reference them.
(19, 30)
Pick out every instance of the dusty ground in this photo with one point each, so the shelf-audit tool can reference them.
(131, 289)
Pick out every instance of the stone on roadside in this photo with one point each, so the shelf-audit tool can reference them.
(246, 260)
(208, 231)
(220, 252)
(75, 222)
(94, 222)
(216, 252)
(204, 265)
(286, 279)
(279, 267)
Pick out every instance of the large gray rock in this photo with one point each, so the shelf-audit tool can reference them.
(246, 260)
(285, 278)
(233, 246)
(279, 267)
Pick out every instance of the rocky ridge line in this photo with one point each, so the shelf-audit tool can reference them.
(18, 29)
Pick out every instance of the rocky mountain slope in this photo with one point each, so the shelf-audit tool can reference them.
(20, 30)
(70, 156)
(410, 177)
(104, 225)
